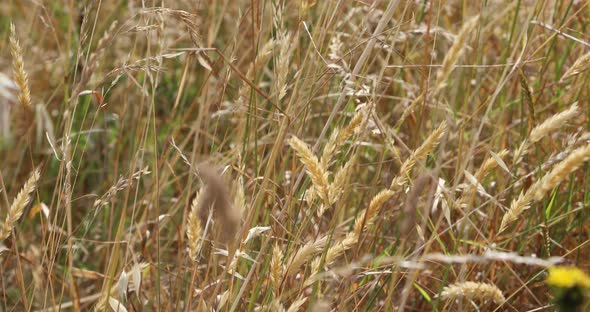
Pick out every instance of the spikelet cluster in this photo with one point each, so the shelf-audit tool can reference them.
(544, 129)
(580, 65)
(305, 253)
(455, 52)
(315, 170)
(18, 66)
(193, 229)
(473, 291)
(549, 181)
(418, 156)
(17, 207)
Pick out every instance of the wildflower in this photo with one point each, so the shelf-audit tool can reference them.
(570, 285)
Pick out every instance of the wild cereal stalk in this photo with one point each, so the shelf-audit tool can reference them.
(418, 156)
(549, 181)
(18, 67)
(517, 206)
(305, 253)
(21, 200)
(488, 165)
(581, 65)
(455, 52)
(332, 254)
(553, 123)
(193, 229)
(366, 217)
(276, 268)
(473, 291)
(562, 170)
(547, 127)
(315, 170)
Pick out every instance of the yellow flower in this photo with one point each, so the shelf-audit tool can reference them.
(567, 277)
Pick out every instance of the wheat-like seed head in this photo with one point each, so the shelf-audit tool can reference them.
(18, 67)
(330, 149)
(553, 123)
(366, 217)
(473, 291)
(356, 124)
(193, 229)
(418, 156)
(276, 268)
(430, 143)
(333, 252)
(340, 180)
(315, 170)
(544, 129)
(562, 170)
(488, 165)
(455, 52)
(517, 206)
(305, 253)
(296, 305)
(549, 181)
(21, 200)
(282, 64)
(580, 65)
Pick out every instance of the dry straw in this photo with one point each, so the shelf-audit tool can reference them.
(21, 201)
(473, 291)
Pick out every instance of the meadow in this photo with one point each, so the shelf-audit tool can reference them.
(275, 155)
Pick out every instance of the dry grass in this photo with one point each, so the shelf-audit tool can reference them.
(291, 155)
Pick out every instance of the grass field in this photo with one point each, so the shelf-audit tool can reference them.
(275, 155)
